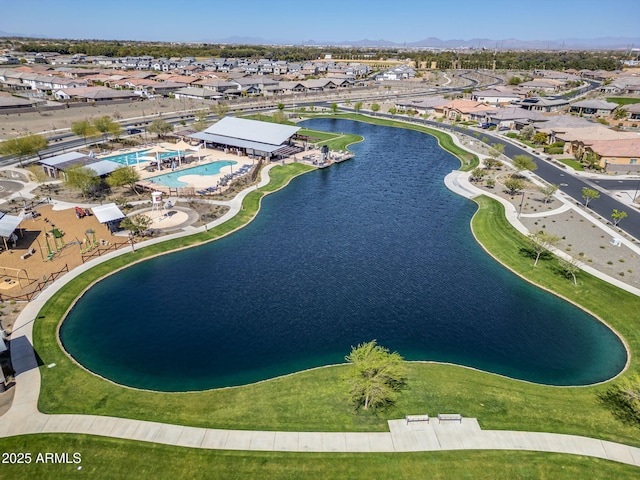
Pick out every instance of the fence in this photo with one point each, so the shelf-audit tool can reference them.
(28, 296)
(96, 252)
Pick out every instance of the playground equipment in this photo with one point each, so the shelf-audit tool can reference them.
(82, 212)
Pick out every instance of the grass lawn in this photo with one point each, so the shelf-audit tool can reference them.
(570, 162)
(623, 100)
(317, 400)
(114, 459)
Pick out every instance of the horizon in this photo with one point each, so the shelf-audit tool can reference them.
(284, 22)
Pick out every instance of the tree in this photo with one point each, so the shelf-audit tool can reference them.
(540, 138)
(513, 185)
(619, 114)
(541, 242)
(23, 147)
(375, 108)
(548, 192)
(160, 127)
(200, 123)
(589, 194)
(122, 176)
(81, 178)
(497, 149)
(617, 216)
(106, 126)
(280, 106)
(375, 376)
(84, 129)
(220, 109)
(528, 132)
(477, 174)
(623, 399)
(334, 107)
(279, 117)
(569, 268)
(515, 81)
(393, 110)
(136, 224)
(524, 162)
(357, 106)
(591, 159)
(38, 173)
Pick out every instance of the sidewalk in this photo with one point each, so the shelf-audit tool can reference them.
(24, 417)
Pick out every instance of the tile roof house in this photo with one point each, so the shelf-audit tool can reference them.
(464, 110)
(617, 155)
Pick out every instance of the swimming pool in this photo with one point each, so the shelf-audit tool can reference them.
(130, 158)
(171, 179)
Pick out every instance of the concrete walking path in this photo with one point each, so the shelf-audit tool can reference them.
(24, 418)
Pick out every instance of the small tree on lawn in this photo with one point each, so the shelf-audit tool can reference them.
(375, 376)
(357, 106)
(124, 176)
(542, 242)
(548, 192)
(334, 107)
(82, 179)
(589, 194)
(513, 185)
(569, 268)
(524, 162)
(280, 106)
(623, 399)
(375, 108)
(617, 216)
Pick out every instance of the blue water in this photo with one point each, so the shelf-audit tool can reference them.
(130, 158)
(372, 248)
(171, 179)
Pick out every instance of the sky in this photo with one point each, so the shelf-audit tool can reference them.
(295, 21)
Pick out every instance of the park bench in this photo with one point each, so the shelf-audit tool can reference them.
(417, 418)
(449, 417)
(28, 254)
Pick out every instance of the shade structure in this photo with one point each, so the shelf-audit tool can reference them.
(8, 223)
(108, 212)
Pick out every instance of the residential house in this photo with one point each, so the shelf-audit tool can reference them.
(593, 108)
(617, 155)
(543, 104)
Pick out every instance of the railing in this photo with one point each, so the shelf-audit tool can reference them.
(28, 296)
(99, 250)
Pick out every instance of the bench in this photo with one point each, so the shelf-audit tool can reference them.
(416, 418)
(28, 254)
(449, 416)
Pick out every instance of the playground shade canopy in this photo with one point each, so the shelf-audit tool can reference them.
(108, 213)
(8, 223)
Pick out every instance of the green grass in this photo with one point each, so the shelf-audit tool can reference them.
(317, 400)
(114, 459)
(623, 100)
(570, 162)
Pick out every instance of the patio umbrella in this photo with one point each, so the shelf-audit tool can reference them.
(157, 150)
(181, 146)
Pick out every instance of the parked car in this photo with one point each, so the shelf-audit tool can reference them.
(133, 131)
(487, 125)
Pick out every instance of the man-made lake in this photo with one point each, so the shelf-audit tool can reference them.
(373, 248)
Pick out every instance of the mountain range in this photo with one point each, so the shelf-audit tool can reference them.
(602, 43)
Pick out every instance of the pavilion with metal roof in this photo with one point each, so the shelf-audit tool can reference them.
(248, 137)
